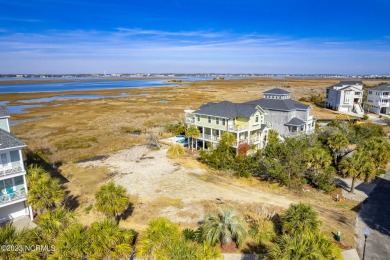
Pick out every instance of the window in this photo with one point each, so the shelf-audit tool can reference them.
(369, 92)
(4, 160)
(198, 117)
(223, 121)
(209, 119)
(217, 120)
(257, 118)
(347, 93)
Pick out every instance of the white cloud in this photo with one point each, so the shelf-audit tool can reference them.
(134, 50)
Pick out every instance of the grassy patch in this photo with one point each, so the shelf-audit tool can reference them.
(77, 143)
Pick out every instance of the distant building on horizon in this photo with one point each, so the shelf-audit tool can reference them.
(346, 96)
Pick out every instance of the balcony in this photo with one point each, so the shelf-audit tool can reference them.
(238, 128)
(209, 137)
(16, 195)
(9, 171)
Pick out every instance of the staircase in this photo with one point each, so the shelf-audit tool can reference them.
(358, 109)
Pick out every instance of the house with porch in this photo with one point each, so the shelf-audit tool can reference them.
(245, 121)
(13, 186)
(251, 121)
(378, 100)
(346, 96)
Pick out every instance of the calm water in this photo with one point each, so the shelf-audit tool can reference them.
(80, 85)
(95, 84)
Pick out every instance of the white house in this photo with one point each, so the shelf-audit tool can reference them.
(346, 96)
(13, 187)
(378, 100)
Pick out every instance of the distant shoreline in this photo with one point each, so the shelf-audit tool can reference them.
(38, 81)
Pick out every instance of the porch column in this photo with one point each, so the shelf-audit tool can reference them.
(20, 158)
(219, 134)
(203, 137)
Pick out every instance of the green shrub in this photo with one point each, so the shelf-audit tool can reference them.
(175, 151)
(176, 128)
(365, 117)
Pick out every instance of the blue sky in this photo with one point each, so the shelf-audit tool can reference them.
(78, 36)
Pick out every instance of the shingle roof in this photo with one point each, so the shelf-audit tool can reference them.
(8, 140)
(277, 91)
(352, 82)
(279, 104)
(295, 121)
(3, 111)
(382, 87)
(227, 109)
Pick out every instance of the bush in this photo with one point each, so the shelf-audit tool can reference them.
(175, 151)
(365, 117)
(176, 128)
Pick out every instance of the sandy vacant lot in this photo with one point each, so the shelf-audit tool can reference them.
(156, 180)
(185, 190)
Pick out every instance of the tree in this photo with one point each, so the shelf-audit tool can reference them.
(307, 245)
(158, 234)
(318, 170)
(273, 137)
(300, 218)
(53, 222)
(192, 133)
(8, 236)
(72, 243)
(111, 200)
(283, 163)
(223, 227)
(378, 149)
(163, 240)
(335, 143)
(359, 166)
(109, 241)
(44, 192)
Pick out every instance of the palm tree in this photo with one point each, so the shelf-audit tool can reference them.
(8, 236)
(159, 233)
(109, 241)
(224, 227)
(53, 222)
(306, 245)
(318, 159)
(72, 243)
(359, 166)
(378, 149)
(299, 218)
(193, 133)
(45, 193)
(336, 142)
(112, 200)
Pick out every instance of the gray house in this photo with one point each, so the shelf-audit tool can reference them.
(251, 121)
(346, 96)
(288, 117)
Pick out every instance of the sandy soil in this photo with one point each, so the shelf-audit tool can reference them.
(152, 177)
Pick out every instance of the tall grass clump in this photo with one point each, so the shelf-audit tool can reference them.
(175, 151)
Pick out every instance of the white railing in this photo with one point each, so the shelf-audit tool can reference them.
(9, 171)
(5, 198)
(237, 128)
(209, 137)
